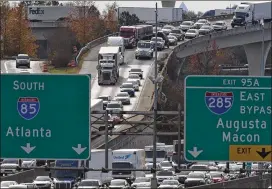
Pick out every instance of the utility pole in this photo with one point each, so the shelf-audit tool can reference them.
(106, 118)
(154, 179)
(179, 136)
(262, 54)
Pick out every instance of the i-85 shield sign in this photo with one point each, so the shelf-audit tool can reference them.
(219, 102)
(28, 107)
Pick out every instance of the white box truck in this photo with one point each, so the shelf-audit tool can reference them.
(251, 13)
(98, 162)
(128, 159)
(161, 153)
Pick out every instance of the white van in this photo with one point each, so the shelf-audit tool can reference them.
(117, 41)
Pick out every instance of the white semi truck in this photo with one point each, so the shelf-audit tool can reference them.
(251, 13)
(109, 60)
(128, 159)
(98, 162)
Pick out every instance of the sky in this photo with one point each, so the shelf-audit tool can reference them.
(196, 6)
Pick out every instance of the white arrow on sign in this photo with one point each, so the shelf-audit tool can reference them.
(195, 153)
(78, 149)
(28, 148)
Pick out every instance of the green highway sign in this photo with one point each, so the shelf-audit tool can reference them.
(227, 118)
(45, 116)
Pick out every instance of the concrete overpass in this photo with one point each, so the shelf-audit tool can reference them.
(250, 37)
(168, 3)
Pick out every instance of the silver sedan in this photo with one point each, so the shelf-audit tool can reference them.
(123, 97)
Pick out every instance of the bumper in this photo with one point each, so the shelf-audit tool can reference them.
(144, 55)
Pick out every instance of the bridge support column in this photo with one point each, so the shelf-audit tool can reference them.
(253, 53)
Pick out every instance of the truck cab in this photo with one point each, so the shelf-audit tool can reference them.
(109, 59)
(128, 159)
(160, 153)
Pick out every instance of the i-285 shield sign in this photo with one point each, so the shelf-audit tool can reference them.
(28, 107)
(219, 102)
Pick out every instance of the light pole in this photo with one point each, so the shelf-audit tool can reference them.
(154, 179)
(262, 54)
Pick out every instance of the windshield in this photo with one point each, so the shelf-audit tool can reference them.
(127, 85)
(215, 174)
(240, 14)
(191, 31)
(126, 34)
(195, 175)
(159, 154)
(133, 76)
(218, 23)
(117, 183)
(6, 183)
(43, 178)
(22, 57)
(206, 27)
(186, 23)
(89, 183)
(104, 98)
(166, 164)
(120, 165)
(184, 172)
(113, 105)
(175, 31)
(167, 27)
(171, 37)
(144, 45)
(165, 173)
(138, 180)
(202, 21)
(13, 161)
(154, 39)
(199, 167)
(170, 182)
(122, 94)
(135, 70)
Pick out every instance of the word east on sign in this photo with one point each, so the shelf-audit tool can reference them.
(235, 111)
(40, 110)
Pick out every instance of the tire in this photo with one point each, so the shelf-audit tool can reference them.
(17, 66)
(28, 66)
(136, 57)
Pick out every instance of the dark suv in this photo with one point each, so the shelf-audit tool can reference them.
(22, 60)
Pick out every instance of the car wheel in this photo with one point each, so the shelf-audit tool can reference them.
(17, 66)
(29, 66)
(136, 57)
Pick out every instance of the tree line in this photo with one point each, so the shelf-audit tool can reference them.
(84, 24)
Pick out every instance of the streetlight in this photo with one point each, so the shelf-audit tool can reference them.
(154, 179)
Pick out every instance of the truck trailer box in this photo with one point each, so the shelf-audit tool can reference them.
(98, 162)
(262, 10)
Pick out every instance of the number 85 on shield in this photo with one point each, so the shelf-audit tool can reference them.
(28, 107)
(219, 102)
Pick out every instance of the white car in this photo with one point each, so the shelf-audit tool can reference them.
(172, 40)
(43, 181)
(6, 184)
(119, 183)
(135, 84)
(166, 165)
(22, 60)
(200, 23)
(89, 183)
(114, 107)
(141, 181)
(29, 163)
(165, 175)
(144, 50)
(160, 43)
(205, 29)
(9, 166)
(186, 25)
(123, 97)
(191, 33)
(220, 25)
(134, 77)
(170, 184)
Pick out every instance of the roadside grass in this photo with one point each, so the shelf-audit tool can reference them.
(67, 70)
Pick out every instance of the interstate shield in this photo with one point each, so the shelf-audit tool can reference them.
(219, 102)
(28, 107)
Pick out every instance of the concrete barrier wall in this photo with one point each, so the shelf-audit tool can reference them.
(250, 182)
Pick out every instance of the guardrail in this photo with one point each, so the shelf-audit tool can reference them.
(249, 182)
(92, 44)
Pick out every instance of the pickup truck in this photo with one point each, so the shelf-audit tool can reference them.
(136, 71)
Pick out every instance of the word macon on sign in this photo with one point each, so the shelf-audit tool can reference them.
(45, 116)
(227, 118)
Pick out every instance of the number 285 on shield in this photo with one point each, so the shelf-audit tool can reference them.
(219, 102)
(28, 107)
